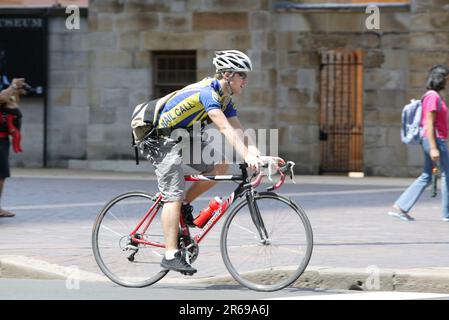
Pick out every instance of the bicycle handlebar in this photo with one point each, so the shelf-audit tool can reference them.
(288, 167)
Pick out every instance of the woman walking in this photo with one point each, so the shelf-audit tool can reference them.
(435, 133)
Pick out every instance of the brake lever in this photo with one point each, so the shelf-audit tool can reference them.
(269, 171)
(292, 173)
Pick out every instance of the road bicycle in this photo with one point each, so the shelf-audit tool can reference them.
(266, 240)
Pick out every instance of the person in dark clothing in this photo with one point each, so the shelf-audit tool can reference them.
(10, 123)
(10, 120)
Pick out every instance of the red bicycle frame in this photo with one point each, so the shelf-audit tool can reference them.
(240, 191)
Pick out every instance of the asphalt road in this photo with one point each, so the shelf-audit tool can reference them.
(58, 289)
(17, 289)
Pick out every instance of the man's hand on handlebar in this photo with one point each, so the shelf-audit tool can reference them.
(257, 162)
(272, 160)
(254, 162)
(274, 165)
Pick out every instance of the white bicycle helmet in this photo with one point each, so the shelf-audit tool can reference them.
(232, 60)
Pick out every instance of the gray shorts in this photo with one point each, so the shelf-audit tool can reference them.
(168, 163)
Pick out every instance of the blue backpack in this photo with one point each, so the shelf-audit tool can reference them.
(411, 130)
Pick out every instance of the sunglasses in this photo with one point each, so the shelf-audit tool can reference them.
(242, 75)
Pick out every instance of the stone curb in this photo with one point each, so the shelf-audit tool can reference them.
(410, 280)
(21, 267)
(434, 280)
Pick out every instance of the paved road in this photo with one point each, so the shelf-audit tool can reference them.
(11, 289)
(55, 289)
(351, 229)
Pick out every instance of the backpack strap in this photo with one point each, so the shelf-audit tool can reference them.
(160, 106)
(136, 149)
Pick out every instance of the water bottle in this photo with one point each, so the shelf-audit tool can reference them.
(207, 212)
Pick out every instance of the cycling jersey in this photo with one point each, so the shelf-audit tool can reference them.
(192, 103)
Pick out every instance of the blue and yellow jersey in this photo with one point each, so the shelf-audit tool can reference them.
(192, 103)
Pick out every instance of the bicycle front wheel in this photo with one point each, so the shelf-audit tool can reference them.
(266, 245)
(123, 261)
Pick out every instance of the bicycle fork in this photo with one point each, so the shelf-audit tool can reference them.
(257, 219)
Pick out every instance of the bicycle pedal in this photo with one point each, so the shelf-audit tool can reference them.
(131, 247)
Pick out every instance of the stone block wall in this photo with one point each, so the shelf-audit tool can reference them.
(409, 56)
(283, 91)
(302, 36)
(68, 103)
(122, 36)
(397, 58)
(98, 73)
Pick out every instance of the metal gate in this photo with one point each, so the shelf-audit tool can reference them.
(341, 114)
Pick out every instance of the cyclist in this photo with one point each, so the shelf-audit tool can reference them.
(207, 100)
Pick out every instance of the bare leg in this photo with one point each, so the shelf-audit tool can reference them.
(173, 259)
(2, 182)
(199, 187)
(4, 213)
(170, 223)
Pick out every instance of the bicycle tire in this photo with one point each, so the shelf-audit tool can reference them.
(135, 205)
(239, 231)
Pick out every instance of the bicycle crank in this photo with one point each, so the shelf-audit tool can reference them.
(131, 246)
(189, 248)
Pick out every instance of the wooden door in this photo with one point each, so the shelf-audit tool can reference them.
(341, 114)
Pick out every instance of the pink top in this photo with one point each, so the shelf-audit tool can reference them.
(429, 104)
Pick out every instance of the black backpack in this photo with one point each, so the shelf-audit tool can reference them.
(144, 119)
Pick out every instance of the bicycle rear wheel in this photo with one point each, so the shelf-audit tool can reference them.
(267, 251)
(123, 261)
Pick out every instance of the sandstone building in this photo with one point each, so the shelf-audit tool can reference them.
(332, 86)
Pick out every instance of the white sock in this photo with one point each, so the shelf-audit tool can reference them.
(170, 254)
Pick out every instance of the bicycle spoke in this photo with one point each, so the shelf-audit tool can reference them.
(123, 261)
(288, 249)
(275, 262)
(157, 254)
(246, 229)
(112, 231)
(118, 220)
(244, 246)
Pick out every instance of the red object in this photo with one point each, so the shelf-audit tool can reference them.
(14, 133)
(146, 221)
(206, 213)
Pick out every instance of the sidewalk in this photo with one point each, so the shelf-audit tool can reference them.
(357, 246)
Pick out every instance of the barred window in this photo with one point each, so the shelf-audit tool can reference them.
(173, 70)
